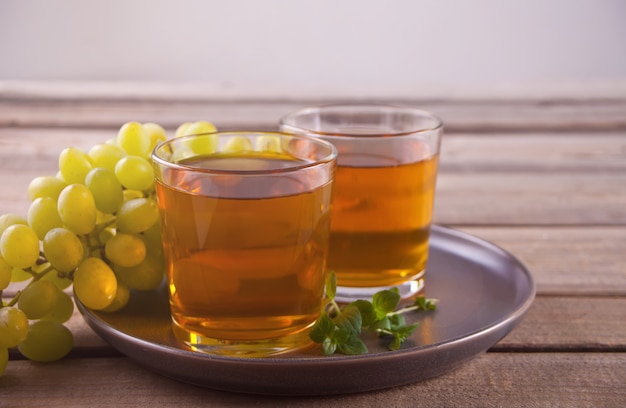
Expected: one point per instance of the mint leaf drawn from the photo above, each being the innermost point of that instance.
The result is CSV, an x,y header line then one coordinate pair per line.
x,y
368,315
401,334
385,302
383,324
322,329
425,304
396,321
353,346
349,318
342,334
328,347
338,328
331,285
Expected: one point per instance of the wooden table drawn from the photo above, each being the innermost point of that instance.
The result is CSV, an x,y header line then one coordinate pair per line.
x,y
541,174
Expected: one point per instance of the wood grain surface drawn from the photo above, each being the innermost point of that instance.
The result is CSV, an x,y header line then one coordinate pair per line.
x,y
541,175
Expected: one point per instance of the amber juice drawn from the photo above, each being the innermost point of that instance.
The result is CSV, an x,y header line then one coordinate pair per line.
x,y
243,268
380,223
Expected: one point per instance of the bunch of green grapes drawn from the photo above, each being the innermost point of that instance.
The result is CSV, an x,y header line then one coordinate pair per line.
x,y
94,225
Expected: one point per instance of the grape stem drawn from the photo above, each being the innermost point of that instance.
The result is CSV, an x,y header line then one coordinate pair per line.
x,y
36,277
101,227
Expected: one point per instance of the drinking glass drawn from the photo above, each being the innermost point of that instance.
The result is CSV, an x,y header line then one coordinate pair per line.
x,y
245,220
384,192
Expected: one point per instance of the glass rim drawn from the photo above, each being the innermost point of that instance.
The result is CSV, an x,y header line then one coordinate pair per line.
x,y
330,157
437,122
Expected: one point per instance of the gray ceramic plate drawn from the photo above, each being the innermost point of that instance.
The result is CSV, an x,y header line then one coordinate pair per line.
x,y
483,290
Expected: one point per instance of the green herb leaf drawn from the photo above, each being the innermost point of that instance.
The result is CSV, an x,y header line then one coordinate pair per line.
x,y
328,347
331,285
385,302
368,315
353,346
383,324
400,335
396,321
349,318
338,328
425,304
322,329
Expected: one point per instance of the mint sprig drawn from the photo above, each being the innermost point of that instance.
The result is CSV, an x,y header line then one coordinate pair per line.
x,y
339,329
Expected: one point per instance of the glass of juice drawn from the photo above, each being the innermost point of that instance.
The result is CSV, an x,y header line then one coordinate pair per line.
x,y
383,196
245,218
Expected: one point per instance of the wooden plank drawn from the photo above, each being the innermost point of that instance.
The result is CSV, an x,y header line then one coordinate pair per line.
x,y
566,260
569,323
572,92
490,380
457,116
538,152
531,199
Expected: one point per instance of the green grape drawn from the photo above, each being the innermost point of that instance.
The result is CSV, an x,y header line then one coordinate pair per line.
x,y
6,220
135,173
106,156
181,153
125,250
202,145
132,194
20,275
156,134
13,326
198,127
153,239
182,129
88,250
74,164
62,310
5,274
4,359
267,143
104,218
63,249
122,296
237,144
19,246
105,235
95,283
137,215
46,341
60,279
38,299
106,190
45,186
206,144
77,209
145,276
133,138
43,216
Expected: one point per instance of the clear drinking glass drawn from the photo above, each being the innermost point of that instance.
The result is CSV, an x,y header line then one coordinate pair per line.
x,y
384,192
245,220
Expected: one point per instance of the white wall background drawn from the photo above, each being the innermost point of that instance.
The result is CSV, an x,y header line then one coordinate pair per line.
x,y
314,42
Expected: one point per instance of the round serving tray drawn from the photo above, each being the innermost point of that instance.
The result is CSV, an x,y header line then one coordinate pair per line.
x,y
483,291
